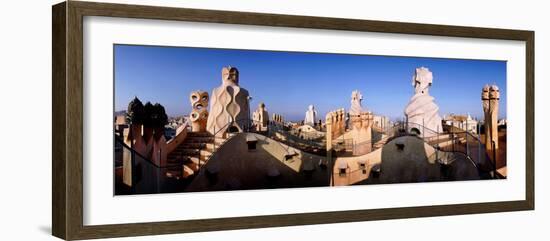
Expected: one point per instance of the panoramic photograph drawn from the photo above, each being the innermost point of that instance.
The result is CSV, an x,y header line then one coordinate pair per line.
x,y
188,119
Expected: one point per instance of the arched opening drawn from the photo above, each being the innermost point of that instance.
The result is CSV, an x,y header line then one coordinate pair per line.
x,y
232,129
415,131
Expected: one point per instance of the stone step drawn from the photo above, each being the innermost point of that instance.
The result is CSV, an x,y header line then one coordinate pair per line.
x,y
179,173
381,142
195,160
172,160
192,152
180,160
189,149
185,152
220,142
199,134
196,145
205,154
176,174
209,139
189,153
192,145
210,146
187,171
175,160
193,165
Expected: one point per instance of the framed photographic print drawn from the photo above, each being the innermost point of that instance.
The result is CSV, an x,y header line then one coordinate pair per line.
x,y
171,120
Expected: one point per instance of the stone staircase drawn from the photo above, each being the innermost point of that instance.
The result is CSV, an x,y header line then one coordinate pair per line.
x,y
381,142
378,129
192,153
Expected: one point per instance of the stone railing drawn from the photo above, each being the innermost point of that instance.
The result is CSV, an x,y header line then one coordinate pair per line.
x,y
181,134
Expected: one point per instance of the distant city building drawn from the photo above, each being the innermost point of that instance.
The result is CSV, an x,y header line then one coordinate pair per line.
x,y
277,119
169,131
382,122
174,122
120,124
307,132
463,122
120,119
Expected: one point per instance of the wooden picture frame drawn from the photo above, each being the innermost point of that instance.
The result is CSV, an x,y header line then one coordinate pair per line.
x,y
67,123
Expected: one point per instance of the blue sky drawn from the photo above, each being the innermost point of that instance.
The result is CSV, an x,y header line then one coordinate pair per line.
x,y
287,82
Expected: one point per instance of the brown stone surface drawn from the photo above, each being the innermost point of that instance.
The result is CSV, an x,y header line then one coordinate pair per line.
x,y
238,168
501,151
